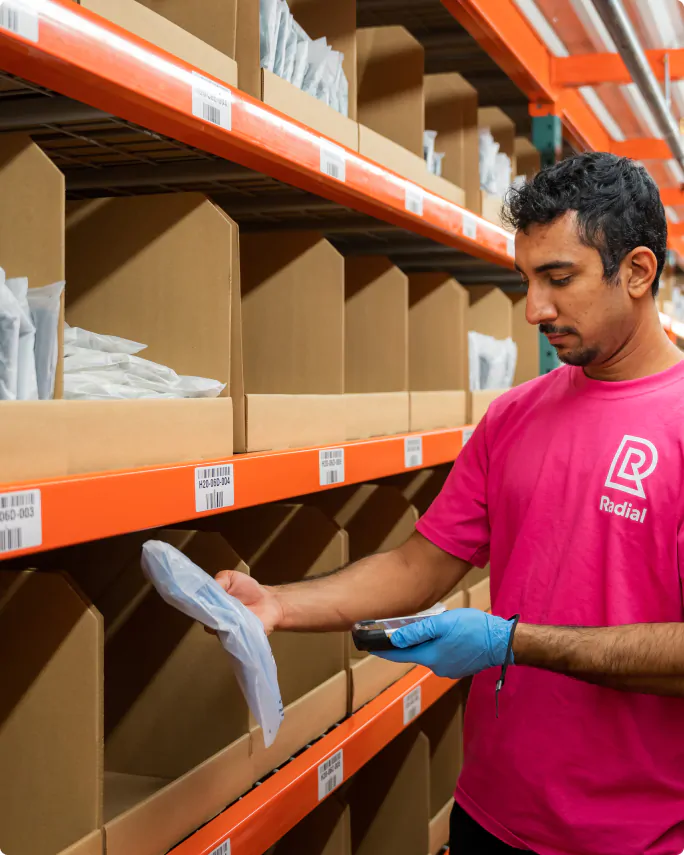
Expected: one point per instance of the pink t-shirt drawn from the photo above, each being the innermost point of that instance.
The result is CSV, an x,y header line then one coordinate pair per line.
x,y
571,489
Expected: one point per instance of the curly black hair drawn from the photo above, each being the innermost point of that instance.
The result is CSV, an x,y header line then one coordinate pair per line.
x,y
617,203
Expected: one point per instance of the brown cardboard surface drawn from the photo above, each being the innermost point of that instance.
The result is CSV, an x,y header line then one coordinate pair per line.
x,y
390,85
478,403
291,101
526,336
179,28
420,487
50,713
389,799
376,325
370,676
451,110
378,414
325,831
442,187
490,207
48,439
293,421
439,828
172,696
237,374
438,340
527,157
442,723
479,596
490,312
292,314
432,410
170,814
455,600
93,844
154,284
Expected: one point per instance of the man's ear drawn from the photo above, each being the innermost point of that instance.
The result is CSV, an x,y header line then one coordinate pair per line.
x,y
639,270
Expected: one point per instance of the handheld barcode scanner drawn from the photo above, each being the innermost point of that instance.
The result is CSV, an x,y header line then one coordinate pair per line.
x,y
377,634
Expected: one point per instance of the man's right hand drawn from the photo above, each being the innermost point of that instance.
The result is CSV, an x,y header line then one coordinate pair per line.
x,y
259,599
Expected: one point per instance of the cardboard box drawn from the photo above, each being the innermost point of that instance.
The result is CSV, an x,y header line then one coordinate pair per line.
x,y
376,414
389,799
420,487
491,208
390,85
432,410
475,585
285,543
185,30
50,714
93,844
479,401
325,831
528,159
526,336
490,312
451,110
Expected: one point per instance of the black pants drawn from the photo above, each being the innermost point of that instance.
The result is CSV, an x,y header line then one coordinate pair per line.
x,y
466,837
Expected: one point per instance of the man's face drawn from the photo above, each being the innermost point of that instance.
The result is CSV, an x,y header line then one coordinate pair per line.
x,y
584,317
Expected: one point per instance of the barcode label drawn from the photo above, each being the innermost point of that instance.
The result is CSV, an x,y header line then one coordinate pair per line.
x,y
333,161
469,226
330,775
510,246
467,433
414,199
214,487
21,524
413,451
413,701
331,466
19,19
223,849
211,101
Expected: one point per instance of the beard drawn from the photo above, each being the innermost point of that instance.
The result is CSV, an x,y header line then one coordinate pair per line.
x,y
580,357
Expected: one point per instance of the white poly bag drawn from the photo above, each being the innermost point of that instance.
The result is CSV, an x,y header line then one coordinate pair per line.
x,y
284,30
107,385
195,593
10,322
301,59
488,150
45,304
429,138
182,387
491,362
290,52
27,381
268,32
504,173
98,341
437,159
318,55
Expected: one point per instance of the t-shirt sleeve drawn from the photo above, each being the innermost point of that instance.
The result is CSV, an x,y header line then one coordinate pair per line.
x,y
458,519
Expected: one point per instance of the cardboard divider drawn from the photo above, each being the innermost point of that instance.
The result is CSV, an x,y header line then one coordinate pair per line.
x,y
389,799
178,28
50,713
438,351
526,336
442,723
284,543
527,157
451,110
325,831
93,844
479,401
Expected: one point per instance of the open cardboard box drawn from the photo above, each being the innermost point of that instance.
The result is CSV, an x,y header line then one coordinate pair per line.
x,y
285,543
438,351
93,844
169,31
324,831
502,128
491,313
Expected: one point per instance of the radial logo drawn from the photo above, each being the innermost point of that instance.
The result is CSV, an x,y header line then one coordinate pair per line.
x,y
634,461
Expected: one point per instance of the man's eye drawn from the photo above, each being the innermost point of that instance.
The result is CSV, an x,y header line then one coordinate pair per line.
x,y
564,281
525,283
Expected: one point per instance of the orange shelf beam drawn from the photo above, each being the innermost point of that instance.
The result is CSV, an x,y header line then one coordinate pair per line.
x,y
80,508
672,195
265,814
643,149
86,57
592,69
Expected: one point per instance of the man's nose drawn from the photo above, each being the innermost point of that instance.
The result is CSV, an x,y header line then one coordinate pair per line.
x,y
539,308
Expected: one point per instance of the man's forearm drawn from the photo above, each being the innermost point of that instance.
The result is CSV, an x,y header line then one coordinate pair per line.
x,y
645,658
389,584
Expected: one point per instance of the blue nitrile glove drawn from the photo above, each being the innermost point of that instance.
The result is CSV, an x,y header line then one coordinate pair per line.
x,y
454,644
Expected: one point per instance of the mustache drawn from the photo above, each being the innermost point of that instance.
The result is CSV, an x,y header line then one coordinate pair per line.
x,y
552,329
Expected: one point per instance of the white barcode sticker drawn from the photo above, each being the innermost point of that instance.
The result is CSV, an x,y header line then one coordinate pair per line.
x,y
333,160
211,101
330,775
19,18
223,849
414,199
469,226
412,704
331,466
510,246
214,487
21,524
467,433
413,451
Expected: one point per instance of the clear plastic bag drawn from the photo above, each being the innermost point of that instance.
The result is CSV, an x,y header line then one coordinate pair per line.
x,y
27,381
301,59
491,362
188,588
108,385
45,304
77,337
318,55
10,322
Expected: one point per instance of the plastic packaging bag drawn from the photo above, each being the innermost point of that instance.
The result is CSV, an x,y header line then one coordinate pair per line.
x,y
437,160
504,173
27,382
290,52
491,362
268,32
284,30
44,304
301,58
98,341
318,55
10,322
187,587
489,149
106,386
429,138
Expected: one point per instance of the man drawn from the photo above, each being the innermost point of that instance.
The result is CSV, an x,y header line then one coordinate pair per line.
x,y
570,488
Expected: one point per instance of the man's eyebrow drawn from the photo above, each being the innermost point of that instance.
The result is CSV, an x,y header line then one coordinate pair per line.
x,y
550,265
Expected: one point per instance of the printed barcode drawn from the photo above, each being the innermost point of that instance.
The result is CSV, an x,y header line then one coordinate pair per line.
x,y
19,19
413,451
414,200
214,487
214,501
414,460
330,785
217,472
334,454
10,538
412,705
331,466
211,114
9,19
331,477
223,849
330,775
17,500
332,169
333,160
469,227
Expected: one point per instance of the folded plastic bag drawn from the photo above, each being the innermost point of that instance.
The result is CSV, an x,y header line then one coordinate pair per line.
x,y
491,362
488,151
75,336
269,16
45,304
301,57
27,381
10,322
284,30
187,587
318,54
290,52
105,386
